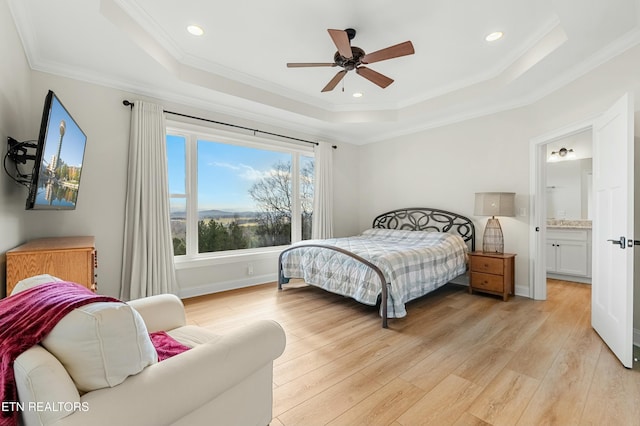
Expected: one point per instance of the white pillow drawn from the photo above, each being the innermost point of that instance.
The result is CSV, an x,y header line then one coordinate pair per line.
x,y
101,344
33,281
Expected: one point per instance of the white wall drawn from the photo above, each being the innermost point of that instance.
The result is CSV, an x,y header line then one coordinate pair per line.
x,y
100,113
15,110
440,167
444,167
99,211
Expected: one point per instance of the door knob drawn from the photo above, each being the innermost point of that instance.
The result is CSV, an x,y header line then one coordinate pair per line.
x,y
622,242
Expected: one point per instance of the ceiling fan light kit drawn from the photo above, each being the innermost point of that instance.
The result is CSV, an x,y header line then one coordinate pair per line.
x,y
351,58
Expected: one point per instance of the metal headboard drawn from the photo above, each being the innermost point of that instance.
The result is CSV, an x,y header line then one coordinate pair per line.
x,y
428,219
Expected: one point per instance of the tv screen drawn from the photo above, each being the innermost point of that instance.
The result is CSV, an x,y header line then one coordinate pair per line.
x,y
59,155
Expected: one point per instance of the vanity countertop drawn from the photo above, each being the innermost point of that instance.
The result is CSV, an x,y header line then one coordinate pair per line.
x,y
568,224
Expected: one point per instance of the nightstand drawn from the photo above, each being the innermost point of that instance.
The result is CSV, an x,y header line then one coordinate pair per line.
x,y
492,273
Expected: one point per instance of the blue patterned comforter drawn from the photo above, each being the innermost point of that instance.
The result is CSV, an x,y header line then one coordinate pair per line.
x,y
414,263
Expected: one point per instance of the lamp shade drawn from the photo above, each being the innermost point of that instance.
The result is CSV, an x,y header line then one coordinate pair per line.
x,y
495,204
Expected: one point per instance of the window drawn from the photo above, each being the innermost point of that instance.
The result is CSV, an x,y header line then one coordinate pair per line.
x,y
231,194
176,162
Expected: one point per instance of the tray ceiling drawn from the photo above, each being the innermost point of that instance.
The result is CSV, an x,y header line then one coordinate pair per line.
x,y
239,65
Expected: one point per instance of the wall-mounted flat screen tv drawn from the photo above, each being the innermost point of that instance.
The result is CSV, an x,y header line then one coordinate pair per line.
x,y
59,157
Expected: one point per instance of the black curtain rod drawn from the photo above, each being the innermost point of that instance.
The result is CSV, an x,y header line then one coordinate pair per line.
x,y
130,104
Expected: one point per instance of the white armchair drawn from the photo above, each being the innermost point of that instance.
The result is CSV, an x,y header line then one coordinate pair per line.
x,y
222,380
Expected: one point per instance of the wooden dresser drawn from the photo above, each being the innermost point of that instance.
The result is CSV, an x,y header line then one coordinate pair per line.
x,y
492,273
68,258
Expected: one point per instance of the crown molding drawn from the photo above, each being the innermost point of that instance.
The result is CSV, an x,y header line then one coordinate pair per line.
x,y
490,74
604,55
25,30
331,124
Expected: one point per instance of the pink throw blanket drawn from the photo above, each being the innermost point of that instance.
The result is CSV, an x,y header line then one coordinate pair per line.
x,y
27,317
166,346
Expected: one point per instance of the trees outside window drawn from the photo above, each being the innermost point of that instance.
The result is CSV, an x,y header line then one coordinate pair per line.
x,y
241,197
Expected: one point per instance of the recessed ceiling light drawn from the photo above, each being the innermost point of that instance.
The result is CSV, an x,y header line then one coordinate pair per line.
x,y
494,36
357,95
195,30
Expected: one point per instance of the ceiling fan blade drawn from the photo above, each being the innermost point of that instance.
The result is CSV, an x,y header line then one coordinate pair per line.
x,y
341,40
374,76
334,81
402,49
310,64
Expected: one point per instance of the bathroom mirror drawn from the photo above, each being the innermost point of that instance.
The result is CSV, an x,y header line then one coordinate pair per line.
x,y
569,178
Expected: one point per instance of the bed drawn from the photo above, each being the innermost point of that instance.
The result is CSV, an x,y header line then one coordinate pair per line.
x,y
406,254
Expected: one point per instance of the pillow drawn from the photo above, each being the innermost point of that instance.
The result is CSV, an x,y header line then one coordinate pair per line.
x,y
33,281
101,344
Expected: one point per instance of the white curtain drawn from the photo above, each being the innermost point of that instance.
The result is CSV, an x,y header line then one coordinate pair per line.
x,y
147,262
322,222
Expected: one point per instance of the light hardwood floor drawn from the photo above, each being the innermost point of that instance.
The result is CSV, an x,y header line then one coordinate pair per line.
x,y
456,358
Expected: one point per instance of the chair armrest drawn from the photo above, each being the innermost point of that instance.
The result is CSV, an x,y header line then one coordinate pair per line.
x,y
42,379
162,312
169,390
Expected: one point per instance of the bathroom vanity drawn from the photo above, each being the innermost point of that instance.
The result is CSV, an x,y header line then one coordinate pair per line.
x,y
569,250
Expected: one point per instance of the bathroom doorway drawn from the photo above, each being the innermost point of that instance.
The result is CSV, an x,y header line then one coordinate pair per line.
x,y
614,222
569,204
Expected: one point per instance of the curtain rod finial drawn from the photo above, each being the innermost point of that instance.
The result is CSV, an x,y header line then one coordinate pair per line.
x,y
127,103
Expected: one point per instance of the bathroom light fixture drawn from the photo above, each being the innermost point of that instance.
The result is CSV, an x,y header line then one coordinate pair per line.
x,y
496,35
357,95
195,30
562,153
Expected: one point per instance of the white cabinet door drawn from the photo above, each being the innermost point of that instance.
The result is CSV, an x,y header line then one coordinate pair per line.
x,y
552,265
568,252
571,257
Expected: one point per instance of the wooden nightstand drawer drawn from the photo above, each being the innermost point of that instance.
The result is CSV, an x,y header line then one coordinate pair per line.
x,y
492,273
481,281
488,265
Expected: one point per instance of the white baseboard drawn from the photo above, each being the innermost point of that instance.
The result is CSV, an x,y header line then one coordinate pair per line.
x,y
227,285
583,280
523,290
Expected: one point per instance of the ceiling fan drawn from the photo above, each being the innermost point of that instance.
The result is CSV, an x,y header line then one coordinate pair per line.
x,y
353,58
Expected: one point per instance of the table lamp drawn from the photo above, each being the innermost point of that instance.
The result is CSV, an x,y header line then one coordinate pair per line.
x,y
494,204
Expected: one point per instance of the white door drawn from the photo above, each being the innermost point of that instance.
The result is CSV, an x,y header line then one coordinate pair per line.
x,y
612,281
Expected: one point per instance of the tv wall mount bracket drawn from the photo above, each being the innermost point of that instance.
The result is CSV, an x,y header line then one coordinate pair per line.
x,y
17,151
